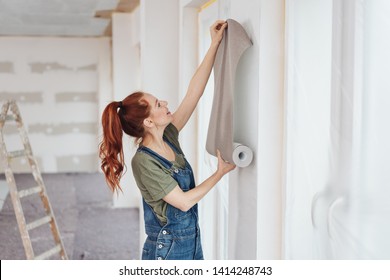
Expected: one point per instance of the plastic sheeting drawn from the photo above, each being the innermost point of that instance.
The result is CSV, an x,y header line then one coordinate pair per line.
x,y
337,155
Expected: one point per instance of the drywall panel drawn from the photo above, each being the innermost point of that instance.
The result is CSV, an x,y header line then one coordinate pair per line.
x,y
126,79
56,83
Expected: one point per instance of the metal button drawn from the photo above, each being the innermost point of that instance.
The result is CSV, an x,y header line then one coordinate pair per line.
x,y
159,258
160,246
176,170
164,232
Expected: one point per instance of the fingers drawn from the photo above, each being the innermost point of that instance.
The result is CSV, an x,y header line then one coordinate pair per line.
x,y
217,30
223,165
218,22
218,25
220,157
222,27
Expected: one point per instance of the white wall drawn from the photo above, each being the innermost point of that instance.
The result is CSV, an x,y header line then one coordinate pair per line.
x,y
57,83
255,191
271,129
243,182
254,206
374,190
188,62
126,79
308,103
159,49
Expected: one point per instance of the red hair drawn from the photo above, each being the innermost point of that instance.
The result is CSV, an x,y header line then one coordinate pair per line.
x,y
118,117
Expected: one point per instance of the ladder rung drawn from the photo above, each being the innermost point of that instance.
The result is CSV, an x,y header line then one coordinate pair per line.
x,y
30,191
10,112
15,154
49,253
39,222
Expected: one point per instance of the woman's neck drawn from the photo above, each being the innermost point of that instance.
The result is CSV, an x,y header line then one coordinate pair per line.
x,y
154,140
153,136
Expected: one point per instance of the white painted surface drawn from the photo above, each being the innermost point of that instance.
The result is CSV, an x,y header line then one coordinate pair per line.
x,y
126,79
254,201
80,66
159,49
262,224
308,91
213,209
57,17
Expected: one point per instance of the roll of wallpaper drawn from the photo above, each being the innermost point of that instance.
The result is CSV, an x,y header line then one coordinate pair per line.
x,y
220,132
242,155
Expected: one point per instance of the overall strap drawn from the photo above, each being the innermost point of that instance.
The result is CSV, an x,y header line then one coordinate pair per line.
x,y
163,161
172,146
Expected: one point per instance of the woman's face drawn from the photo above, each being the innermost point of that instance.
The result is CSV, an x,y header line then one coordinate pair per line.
x,y
159,113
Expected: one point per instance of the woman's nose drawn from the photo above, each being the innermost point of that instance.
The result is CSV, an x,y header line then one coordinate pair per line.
x,y
165,103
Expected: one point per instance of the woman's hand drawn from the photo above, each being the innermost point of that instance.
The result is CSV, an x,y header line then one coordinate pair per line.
x,y
185,200
223,166
216,31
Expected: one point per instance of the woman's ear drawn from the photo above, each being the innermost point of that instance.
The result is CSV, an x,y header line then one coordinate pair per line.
x,y
148,122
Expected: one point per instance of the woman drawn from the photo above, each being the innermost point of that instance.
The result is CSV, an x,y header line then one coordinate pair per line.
x,y
161,171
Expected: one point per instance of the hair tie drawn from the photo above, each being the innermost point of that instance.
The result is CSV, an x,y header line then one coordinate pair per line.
x,y
120,104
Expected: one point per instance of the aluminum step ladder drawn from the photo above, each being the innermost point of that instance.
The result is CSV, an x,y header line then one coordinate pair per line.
x,y
10,112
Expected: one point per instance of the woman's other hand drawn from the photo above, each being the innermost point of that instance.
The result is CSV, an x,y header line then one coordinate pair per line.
x,y
224,166
216,31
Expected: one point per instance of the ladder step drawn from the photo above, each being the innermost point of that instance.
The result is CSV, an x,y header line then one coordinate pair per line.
x,y
15,154
39,222
49,253
30,191
10,112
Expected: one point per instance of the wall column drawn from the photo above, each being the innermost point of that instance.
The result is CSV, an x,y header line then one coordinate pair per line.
x,y
126,79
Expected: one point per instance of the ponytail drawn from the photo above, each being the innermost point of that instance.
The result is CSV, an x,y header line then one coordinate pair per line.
x,y
111,150
128,116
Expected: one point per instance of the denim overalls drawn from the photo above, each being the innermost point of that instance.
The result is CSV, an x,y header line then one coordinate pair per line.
x,y
179,238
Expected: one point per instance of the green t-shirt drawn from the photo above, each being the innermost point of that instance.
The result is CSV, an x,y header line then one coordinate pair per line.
x,y
153,179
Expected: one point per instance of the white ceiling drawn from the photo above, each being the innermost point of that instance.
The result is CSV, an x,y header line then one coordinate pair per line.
x,y
60,17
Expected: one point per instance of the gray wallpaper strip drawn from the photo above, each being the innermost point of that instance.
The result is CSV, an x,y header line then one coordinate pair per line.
x,y
91,67
55,129
76,96
25,97
6,67
9,129
220,132
79,163
22,165
41,67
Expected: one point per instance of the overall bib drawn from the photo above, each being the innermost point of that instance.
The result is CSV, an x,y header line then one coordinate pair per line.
x,y
179,238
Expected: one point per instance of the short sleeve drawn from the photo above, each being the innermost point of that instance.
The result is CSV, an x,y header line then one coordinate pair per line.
x,y
153,180
172,134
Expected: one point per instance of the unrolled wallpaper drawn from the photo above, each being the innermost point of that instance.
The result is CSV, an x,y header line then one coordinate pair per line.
x,y
220,132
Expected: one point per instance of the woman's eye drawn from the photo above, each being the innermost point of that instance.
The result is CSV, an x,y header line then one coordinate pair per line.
x,y
159,104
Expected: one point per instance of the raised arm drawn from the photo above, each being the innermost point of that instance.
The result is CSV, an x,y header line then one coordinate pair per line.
x,y
200,78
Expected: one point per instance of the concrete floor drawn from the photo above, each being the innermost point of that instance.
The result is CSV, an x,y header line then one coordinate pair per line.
x,y
90,228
